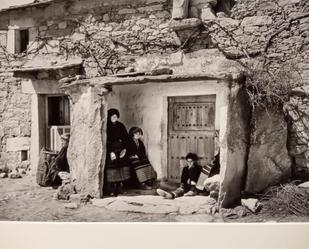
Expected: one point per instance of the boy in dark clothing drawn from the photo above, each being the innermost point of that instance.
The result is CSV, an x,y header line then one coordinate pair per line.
x,y
189,178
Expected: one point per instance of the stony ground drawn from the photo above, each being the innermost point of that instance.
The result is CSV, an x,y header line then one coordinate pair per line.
x,y
23,200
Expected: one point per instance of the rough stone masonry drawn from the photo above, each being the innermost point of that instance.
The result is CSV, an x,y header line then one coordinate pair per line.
x,y
111,35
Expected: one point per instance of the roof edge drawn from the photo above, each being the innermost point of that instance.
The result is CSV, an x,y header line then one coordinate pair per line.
x,y
33,4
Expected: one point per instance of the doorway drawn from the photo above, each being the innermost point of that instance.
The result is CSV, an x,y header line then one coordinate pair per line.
x,y
191,128
57,120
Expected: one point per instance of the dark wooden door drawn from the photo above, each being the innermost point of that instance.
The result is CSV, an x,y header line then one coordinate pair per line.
x,y
191,128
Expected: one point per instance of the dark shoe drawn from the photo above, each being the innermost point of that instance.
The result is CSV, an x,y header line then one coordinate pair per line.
x,y
144,186
164,194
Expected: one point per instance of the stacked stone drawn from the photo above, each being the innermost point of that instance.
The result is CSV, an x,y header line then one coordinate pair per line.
x,y
253,22
15,118
298,143
119,42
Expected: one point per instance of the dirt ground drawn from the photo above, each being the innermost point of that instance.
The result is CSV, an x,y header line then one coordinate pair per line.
x,y
23,200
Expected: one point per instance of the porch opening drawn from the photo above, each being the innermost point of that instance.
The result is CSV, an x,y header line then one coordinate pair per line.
x,y
176,119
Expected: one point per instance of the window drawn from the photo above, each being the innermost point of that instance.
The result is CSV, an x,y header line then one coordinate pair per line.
x,y
24,40
58,110
17,40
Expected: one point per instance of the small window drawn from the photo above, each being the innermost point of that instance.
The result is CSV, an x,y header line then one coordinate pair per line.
x,y
24,155
58,110
24,40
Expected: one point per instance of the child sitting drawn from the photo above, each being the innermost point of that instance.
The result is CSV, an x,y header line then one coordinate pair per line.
x,y
189,177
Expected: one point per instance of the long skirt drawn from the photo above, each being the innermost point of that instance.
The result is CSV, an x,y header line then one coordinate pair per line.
x,y
117,171
144,171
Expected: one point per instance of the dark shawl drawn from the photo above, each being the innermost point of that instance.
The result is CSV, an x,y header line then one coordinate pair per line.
x,y
60,164
139,150
116,133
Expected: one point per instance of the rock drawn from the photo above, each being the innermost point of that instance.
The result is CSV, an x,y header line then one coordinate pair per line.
x,y
288,2
221,15
65,190
129,69
256,21
86,161
214,194
188,23
304,185
240,211
302,91
14,175
24,164
71,205
18,143
3,175
157,204
21,171
64,175
121,205
268,162
212,185
102,202
252,204
75,198
160,71
228,213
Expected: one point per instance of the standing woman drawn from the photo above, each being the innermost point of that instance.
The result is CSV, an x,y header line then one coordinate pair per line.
x,y
137,154
117,167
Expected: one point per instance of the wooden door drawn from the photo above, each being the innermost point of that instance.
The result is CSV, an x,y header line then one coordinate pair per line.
x,y
191,128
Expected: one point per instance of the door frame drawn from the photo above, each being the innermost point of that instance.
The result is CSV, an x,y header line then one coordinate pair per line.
x,y
213,97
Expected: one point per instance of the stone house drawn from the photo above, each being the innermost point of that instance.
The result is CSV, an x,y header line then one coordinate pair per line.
x,y
165,68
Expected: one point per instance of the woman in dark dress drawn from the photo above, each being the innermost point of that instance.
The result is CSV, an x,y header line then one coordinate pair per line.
x,y
117,167
59,168
137,153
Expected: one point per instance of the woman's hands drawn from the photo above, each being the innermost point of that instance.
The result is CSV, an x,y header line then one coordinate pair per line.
x,y
123,153
113,156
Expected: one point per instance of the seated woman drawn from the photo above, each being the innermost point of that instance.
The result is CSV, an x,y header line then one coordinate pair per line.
x,y
189,177
59,168
117,169
137,153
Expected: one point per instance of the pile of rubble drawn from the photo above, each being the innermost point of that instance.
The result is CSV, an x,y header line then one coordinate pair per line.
x,y
22,169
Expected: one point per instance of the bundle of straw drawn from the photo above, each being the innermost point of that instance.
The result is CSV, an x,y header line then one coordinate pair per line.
x,y
286,199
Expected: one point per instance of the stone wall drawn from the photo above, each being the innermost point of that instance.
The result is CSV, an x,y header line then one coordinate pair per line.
x,y
275,30
276,33
297,110
15,120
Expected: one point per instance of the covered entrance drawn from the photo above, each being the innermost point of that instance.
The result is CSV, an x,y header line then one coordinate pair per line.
x,y
191,128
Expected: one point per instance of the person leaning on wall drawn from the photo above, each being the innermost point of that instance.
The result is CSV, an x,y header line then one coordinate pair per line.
x,y
117,166
142,171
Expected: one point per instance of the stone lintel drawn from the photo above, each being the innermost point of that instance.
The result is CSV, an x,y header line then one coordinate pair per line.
x,y
46,68
182,24
110,80
18,144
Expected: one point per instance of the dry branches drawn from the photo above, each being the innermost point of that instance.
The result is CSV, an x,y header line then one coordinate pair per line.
x,y
286,199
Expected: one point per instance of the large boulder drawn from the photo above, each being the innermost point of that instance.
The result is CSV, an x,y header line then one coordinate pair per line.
x,y
268,161
86,152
